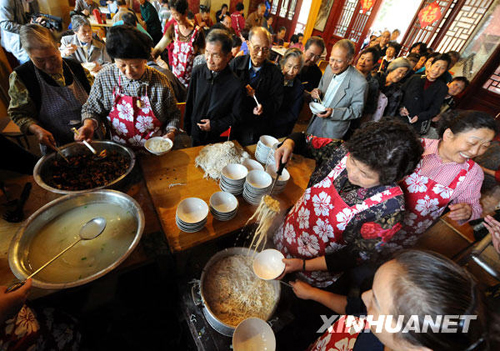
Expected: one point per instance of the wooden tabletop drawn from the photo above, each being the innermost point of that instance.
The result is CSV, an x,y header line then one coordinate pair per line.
x,y
163,173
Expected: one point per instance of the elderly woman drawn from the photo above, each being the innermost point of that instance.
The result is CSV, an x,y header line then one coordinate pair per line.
x,y
447,177
424,95
412,288
47,92
189,39
293,94
352,206
134,101
82,47
390,85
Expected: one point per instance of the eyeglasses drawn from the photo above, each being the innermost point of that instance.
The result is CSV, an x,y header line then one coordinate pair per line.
x,y
264,50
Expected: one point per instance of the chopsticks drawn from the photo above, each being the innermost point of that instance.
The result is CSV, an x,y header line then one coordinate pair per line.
x,y
84,141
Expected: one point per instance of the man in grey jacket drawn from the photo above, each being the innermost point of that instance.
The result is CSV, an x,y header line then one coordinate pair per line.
x,y
342,90
13,14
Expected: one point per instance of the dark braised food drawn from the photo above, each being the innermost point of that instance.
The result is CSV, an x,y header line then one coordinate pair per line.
x,y
86,171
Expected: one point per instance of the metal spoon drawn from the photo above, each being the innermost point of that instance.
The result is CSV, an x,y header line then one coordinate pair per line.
x,y
90,230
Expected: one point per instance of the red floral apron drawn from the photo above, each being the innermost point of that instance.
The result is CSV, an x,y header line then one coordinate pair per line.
x,y
132,120
425,201
342,336
314,226
183,56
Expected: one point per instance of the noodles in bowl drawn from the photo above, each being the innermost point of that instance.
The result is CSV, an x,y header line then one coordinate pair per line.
x,y
234,293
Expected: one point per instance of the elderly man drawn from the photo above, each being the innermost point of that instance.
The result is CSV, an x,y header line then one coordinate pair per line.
x,y
47,92
256,19
384,43
215,94
12,17
343,92
262,78
82,47
310,74
84,7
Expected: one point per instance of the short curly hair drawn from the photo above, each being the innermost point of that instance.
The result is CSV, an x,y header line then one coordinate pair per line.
x,y
127,42
389,147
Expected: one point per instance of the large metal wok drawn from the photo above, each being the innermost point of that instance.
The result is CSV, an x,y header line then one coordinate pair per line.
x,y
19,249
212,319
42,169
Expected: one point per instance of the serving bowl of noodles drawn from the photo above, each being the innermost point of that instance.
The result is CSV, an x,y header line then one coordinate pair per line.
x,y
231,292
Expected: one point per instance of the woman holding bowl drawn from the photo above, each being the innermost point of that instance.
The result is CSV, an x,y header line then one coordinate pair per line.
x,y
352,206
134,102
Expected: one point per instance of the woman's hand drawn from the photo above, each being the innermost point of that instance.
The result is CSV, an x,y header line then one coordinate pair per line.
x,y
171,134
291,265
86,132
303,290
460,212
11,302
284,152
493,227
43,136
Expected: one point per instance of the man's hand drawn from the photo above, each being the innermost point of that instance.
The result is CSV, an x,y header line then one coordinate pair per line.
x,y
204,125
69,50
413,120
328,113
403,112
258,110
283,153
315,93
460,212
43,136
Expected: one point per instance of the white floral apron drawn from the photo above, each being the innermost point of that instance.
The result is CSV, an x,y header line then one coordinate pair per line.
x,y
342,336
425,201
183,56
132,120
314,226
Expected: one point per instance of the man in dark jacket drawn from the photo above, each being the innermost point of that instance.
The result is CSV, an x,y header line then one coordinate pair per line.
x,y
310,75
150,16
263,79
215,94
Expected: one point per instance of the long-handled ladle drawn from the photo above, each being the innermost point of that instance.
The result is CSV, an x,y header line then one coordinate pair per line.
x,y
90,230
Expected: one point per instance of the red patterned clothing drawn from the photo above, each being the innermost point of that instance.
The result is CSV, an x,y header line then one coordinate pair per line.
x,y
357,230
468,191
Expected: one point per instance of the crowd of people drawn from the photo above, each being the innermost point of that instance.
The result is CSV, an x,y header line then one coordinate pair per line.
x,y
392,152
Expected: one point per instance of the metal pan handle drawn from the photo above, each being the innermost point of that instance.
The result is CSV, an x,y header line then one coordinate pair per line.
x,y
196,292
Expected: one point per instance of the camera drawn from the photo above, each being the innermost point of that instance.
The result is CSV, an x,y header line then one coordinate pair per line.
x,y
48,21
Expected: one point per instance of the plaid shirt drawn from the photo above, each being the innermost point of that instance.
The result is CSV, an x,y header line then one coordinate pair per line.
x,y
153,84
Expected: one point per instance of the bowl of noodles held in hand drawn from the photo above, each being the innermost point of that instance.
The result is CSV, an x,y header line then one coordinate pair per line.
x,y
85,171
231,292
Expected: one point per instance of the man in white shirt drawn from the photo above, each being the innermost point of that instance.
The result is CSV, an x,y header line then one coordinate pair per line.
x,y
342,90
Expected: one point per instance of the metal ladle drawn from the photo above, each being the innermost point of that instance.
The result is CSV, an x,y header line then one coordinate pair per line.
x,y
90,230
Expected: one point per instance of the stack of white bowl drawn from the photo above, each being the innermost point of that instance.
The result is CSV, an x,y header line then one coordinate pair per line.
x,y
256,186
264,146
232,178
270,156
252,165
223,206
191,214
282,180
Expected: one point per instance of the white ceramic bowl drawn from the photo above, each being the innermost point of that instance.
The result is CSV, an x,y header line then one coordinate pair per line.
x,y
234,171
252,165
254,334
223,202
284,177
268,140
158,145
259,179
268,264
317,108
192,210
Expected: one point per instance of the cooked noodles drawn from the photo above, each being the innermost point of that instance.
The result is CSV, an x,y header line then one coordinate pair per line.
x,y
264,215
214,157
233,292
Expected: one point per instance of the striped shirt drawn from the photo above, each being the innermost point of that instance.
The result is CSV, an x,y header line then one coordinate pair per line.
x,y
468,191
153,83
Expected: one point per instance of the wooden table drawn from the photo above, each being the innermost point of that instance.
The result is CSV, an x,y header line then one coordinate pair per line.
x,y
178,167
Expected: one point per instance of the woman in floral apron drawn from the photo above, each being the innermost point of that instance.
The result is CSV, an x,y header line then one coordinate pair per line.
x,y
188,39
446,176
353,206
134,101
413,276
